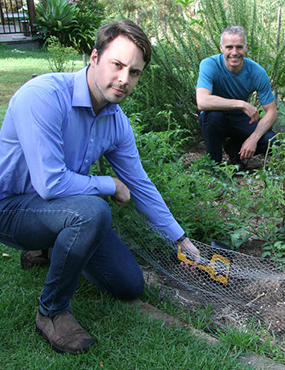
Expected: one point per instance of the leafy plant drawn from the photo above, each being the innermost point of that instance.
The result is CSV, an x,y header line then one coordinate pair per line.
x,y
60,57
74,23
55,18
276,252
160,147
202,318
89,16
190,194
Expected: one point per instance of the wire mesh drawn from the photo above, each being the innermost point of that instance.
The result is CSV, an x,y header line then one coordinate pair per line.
x,y
240,288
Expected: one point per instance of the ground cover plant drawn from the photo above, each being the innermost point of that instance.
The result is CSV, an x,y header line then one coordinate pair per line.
x,y
210,201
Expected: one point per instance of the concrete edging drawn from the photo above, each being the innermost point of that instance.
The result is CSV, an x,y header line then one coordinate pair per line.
x,y
251,359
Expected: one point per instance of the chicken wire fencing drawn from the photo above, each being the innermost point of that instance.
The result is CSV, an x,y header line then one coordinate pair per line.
x,y
240,288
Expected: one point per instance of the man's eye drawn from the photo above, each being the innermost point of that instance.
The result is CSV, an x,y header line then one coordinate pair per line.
x,y
136,73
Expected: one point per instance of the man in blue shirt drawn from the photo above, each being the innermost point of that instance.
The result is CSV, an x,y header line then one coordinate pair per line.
x,y
55,127
224,86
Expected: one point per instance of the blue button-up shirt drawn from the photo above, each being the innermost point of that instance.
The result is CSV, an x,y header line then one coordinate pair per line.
x,y
51,136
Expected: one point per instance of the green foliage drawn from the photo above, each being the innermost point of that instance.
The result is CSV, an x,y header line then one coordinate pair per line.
x,y
89,16
246,337
61,59
273,202
188,32
202,318
159,147
55,18
266,44
208,200
280,123
184,2
275,251
73,23
191,195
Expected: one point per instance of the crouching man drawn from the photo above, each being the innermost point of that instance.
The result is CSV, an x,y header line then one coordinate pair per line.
x,y
56,126
224,86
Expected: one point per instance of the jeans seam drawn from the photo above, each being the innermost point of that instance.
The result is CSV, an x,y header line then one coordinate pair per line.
x,y
70,211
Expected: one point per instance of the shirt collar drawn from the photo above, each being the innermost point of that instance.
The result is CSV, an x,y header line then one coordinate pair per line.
x,y
81,96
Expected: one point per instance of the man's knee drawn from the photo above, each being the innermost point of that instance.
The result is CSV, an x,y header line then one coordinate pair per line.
x,y
126,285
212,122
266,141
132,289
92,211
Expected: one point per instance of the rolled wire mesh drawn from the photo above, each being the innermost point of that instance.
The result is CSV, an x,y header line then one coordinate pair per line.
x,y
239,287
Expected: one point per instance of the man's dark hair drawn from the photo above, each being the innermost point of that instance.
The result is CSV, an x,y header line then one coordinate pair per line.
x,y
126,28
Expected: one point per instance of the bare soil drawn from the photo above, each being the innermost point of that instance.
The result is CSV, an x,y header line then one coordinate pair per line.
x,y
199,149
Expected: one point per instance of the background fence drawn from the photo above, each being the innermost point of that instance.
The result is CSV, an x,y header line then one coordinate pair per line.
x,y
17,16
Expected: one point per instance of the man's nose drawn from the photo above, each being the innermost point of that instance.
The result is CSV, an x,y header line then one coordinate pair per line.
x,y
124,76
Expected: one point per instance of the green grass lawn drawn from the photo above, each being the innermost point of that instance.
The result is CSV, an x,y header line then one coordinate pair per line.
x,y
17,67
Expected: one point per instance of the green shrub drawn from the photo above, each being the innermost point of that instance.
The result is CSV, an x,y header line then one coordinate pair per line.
x,y
61,58
73,23
89,16
55,18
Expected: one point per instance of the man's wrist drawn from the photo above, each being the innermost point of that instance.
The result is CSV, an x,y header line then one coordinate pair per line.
x,y
180,240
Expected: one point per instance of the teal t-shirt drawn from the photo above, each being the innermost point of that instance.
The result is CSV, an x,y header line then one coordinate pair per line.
x,y
214,76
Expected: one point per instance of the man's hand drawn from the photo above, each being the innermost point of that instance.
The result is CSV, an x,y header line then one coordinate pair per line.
x,y
251,111
248,148
122,194
187,246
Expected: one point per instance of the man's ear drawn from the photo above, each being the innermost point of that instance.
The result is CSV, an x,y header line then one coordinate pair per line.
x,y
221,48
94,57
246,48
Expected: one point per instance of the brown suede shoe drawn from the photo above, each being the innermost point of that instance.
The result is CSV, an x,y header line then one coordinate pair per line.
x,y
34,258
64,333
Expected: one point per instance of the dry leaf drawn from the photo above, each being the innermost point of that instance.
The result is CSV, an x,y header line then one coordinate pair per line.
x,y
6,255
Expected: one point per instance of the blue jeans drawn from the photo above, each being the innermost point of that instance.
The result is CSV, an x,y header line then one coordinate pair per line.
x,y
216,126
79,230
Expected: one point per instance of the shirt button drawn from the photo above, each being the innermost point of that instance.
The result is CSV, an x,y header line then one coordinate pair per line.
x,y
91,140
86,160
